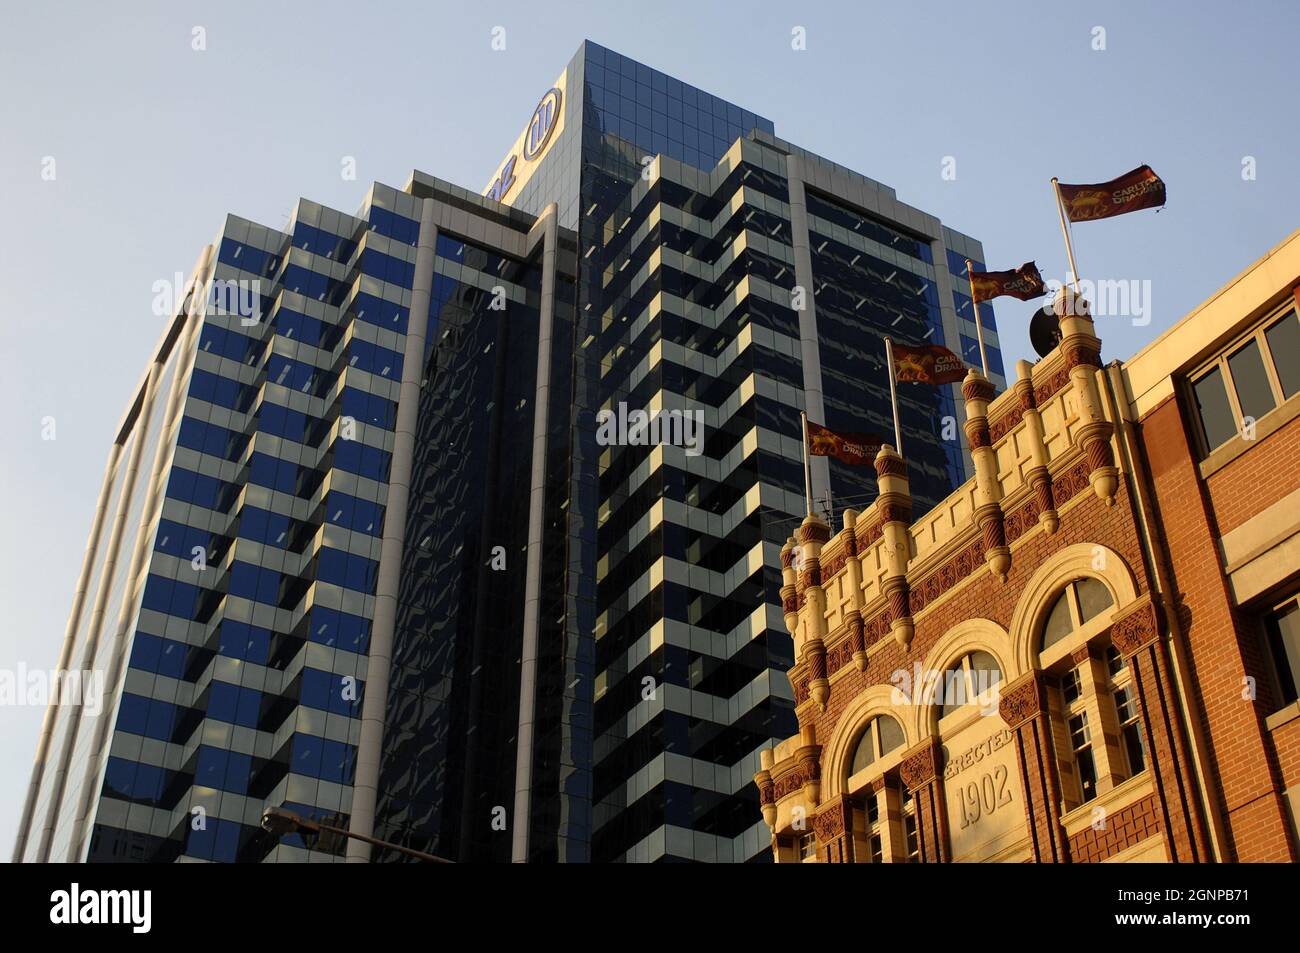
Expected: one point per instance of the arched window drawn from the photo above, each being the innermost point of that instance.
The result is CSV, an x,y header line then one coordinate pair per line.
x,y
882,735
1080,602
1096,726
967,680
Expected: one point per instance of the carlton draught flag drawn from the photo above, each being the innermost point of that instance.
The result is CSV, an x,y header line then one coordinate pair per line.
x,y
1024,283
930,364
1133,191
856,449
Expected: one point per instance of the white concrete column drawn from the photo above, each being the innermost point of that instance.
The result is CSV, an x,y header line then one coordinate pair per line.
x,y
70,634
536,507
194,310
810,353
365,784
69,642
139,429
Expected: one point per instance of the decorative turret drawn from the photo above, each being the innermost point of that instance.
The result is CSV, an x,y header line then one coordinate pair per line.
x,y
766,789
1038,476
813,534
1082,350
894,503
790,555
977,391
853,617
809,758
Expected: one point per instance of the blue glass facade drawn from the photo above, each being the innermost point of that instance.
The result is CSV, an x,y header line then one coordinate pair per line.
x,y
245,668
662,650
680,265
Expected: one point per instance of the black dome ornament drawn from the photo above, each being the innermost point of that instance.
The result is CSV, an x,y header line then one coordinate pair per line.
x,y
1044,331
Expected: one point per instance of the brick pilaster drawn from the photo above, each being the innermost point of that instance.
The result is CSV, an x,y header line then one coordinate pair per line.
x,y
1023,706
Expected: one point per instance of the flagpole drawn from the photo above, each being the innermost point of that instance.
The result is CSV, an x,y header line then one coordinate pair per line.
x,y
807,473
1065,230
979,325
893,396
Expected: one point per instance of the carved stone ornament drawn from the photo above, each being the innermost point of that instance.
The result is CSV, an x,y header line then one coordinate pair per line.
x,y
832,821
1022,701
919,768
1137,628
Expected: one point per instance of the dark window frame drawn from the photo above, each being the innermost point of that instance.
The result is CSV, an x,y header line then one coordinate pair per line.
x,y
1220,362
1284,682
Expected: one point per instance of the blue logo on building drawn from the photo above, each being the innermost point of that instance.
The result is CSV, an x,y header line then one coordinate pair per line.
x,y
542,124
546,117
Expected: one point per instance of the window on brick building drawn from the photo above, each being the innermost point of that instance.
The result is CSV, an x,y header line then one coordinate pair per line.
x,y
1130,728
967,680
882,735
807,846
1095,719
911,836
1248,380
1128,714
1282,627
1081,602
1080,735
875,829
876,793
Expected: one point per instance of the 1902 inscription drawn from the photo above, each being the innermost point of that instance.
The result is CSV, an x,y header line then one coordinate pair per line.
x,y
983,796
955,764
982,788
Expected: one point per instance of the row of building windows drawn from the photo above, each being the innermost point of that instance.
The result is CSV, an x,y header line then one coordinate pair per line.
x,y
325,691
880,232
394,226
322,243
1248,381
249,258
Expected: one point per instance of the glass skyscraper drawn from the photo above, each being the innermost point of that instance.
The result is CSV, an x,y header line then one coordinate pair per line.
x,y
360,553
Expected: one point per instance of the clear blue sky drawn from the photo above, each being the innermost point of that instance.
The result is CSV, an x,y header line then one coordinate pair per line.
x,y
154,142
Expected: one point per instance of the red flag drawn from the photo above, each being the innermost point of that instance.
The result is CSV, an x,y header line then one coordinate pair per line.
x,y
928,364
1132,191
1024,283
856,449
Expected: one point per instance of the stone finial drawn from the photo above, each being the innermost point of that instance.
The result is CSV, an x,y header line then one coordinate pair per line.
x,y
808,756
1038,477
977,392
894,503
791,556
813,535
1082,350
766,788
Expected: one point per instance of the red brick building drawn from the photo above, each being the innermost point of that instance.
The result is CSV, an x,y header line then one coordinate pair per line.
x,y
1089,652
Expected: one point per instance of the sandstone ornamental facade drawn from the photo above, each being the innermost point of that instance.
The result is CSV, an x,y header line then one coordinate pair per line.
x,y
1090,651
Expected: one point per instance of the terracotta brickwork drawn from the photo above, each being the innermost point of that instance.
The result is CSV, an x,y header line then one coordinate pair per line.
x,y
1133,824
1147,726
1224,641
1256,480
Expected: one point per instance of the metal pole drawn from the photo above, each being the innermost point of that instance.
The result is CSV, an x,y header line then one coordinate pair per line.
x,y
979,326
893,395
807,472
430,858
1065,230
